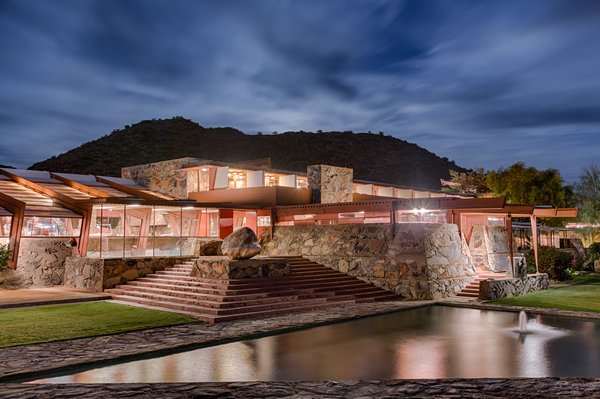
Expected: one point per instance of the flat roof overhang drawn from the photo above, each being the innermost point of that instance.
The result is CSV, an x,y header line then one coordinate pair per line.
x,y
176,203
393,204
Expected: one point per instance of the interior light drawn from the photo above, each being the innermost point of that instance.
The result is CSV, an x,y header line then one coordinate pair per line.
x,y
204,169
188,207
134,205
422,210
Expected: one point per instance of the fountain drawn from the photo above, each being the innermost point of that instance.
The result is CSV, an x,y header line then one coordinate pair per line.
x,y
522,322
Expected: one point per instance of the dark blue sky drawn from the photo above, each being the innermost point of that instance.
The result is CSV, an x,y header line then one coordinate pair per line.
x,y
486,83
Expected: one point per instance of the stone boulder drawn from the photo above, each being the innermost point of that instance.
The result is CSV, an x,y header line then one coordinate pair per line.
x,y
241,244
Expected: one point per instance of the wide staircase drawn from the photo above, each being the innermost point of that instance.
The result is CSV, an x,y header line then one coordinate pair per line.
x,y
308,286
472,290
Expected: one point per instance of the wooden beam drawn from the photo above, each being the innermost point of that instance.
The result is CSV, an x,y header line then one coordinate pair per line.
x,y
94,192
136,192
534,240
17,208
509,233
85,211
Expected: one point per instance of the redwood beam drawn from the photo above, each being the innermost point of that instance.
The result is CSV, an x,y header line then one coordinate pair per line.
x,y
94,192
66,202
534,240
17,208
136,192
509,232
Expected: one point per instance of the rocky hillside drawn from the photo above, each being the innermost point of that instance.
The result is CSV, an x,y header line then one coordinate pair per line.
x,y
375,157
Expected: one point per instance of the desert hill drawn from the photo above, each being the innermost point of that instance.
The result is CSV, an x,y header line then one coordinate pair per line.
x,y
375,157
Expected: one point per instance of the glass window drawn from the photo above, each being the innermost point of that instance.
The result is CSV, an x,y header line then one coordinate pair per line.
x,y
139,229
167,228
35,226
421,216
5,225
111,225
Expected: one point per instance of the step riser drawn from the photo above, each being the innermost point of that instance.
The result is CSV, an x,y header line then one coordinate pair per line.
x,y
309,285
224,312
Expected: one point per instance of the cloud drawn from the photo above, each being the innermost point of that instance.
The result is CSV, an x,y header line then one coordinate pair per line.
x,y
483,83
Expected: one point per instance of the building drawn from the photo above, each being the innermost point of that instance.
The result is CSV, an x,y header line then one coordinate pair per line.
x,y
173,208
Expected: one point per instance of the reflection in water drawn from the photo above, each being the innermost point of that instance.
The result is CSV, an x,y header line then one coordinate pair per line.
x,y
434,342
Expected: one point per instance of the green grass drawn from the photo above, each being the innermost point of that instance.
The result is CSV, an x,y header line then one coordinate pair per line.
x,y
57,322
581,294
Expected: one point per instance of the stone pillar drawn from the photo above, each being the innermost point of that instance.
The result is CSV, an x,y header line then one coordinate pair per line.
x,y
330,184
165,176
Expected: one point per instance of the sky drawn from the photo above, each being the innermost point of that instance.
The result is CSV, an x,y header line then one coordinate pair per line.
x,y
485,83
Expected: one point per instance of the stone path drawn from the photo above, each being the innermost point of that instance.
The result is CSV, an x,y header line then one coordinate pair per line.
x,y
46,296
20,363
452,388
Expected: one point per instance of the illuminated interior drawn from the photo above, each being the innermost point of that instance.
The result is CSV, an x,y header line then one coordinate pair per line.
x,y
5,225
149,230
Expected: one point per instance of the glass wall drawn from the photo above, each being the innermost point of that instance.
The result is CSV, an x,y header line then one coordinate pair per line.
x,y
35,226
421,216
5,225
146,230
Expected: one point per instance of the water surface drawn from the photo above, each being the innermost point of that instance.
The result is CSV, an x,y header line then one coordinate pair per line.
x,y
432,342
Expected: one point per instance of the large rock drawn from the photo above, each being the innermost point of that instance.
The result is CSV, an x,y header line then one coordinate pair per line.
x,y
241,244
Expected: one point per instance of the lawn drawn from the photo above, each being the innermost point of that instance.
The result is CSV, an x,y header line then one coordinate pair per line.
x,y
581,294
57,322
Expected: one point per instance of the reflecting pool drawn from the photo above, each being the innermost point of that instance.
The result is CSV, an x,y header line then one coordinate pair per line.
x,y
432,342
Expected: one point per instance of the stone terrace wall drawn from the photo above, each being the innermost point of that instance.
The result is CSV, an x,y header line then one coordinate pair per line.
x,y
98,274
509,287
224,268
419,261
161,176
42,260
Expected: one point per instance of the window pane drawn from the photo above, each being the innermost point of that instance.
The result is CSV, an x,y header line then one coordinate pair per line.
x,y
34,226
5,224
111,225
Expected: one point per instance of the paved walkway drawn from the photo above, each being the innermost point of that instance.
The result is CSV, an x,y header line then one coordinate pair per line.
x,y
454,388
46,296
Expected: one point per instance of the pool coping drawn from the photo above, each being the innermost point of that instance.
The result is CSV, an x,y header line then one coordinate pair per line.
x,y
29,362
527,309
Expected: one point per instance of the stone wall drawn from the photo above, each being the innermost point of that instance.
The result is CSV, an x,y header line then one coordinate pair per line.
x,y
41,261
84,273
98,274
330,184
223,268
489,247
509,287
419,261
162,176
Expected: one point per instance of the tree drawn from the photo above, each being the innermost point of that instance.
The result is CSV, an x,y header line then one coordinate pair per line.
x,y
587,194
472,182
523,185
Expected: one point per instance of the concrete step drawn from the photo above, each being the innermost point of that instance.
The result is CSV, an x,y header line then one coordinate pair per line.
x,y
200,308
309,285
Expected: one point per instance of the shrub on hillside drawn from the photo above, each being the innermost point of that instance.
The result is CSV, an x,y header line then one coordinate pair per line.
x,y
555,262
